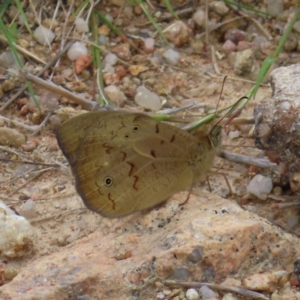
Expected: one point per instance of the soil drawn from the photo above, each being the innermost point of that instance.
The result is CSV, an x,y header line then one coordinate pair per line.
x,y
60,216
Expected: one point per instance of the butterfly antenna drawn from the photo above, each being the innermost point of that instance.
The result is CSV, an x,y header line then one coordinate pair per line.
x,y
215,132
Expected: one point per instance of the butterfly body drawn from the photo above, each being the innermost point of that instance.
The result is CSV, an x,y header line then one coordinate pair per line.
x,y
126,162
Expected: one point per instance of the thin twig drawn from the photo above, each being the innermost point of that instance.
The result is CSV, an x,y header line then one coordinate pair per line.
x,y
30,179
86,104
248,160
255,22
24,87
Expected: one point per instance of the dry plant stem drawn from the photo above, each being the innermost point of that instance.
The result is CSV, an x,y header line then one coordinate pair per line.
x,y
85,104
33,128
219,25
248,160
30,179
287,204
218,287
206,22
57,215
39,128
12,151
255,22
25,52
284,198
237,121
214,61
51,63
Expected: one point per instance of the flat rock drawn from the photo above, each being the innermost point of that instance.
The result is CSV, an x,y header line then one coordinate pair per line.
x,y
208,239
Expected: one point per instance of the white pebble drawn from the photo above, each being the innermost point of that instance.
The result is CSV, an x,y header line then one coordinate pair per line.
x,y
28,209
147,99
44,35
21,20
275,7
17,235
199,17
128,12
160,296
192,294
171,57
113,93
109,18
111,59
76,50
233,134
108,69
103,40
207,293
260,186
149,45
81,25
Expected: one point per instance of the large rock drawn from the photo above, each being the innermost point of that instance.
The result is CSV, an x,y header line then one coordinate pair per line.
x,y
278,123
208,239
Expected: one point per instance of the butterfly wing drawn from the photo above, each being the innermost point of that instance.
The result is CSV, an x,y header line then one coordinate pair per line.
x,y
124,162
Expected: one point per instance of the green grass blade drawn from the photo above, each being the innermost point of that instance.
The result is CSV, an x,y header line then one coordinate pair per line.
x,y
239,5
96,53
151,19
22,13
14,51
3,7
109,24
170,9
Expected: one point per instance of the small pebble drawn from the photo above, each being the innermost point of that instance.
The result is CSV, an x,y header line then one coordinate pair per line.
x,y
76,50
229,46
177,33
235,35
266,282
11,137
199,17
160,296
28,209
274,7
122,51
149,45
207,293
219,7
81,25
260,186
192,294
44,35
103,40
147,99
111,59
229,296
128,12
171,57
114,94
244,62
233,134
167,292
259,41
296,26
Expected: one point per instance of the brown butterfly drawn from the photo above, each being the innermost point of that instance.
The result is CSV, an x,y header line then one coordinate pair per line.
x,y
125,162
